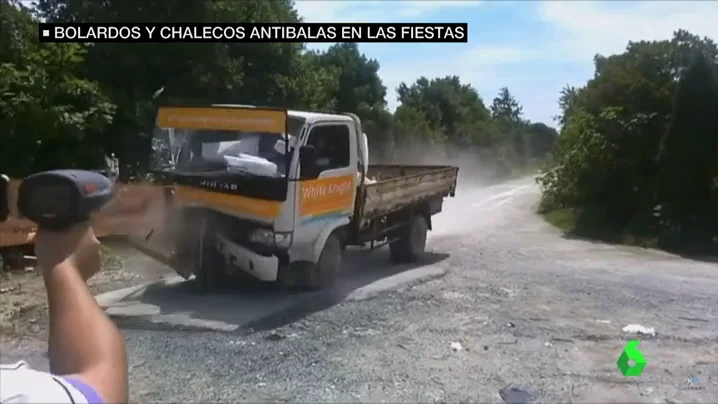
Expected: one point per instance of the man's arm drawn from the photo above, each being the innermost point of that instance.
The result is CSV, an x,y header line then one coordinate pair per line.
x,y
84,343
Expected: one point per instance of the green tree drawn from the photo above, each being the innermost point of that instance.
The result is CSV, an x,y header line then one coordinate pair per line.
x,y
412,132
273,74
318,81
359,85
447,105
48,111
576,176
358,89
541,139
604,163
507,113
567,101
687,156
505,107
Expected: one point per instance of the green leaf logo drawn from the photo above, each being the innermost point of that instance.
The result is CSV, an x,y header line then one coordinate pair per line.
x,y
631,353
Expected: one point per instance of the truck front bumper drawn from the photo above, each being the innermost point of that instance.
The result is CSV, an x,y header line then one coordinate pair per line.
x,y
259,266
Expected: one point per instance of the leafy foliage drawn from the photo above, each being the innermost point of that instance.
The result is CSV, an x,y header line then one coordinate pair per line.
x,y
47,109
639,144
69,105
687,157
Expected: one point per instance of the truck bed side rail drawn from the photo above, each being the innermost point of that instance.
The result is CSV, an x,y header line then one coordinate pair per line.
x,y
398,186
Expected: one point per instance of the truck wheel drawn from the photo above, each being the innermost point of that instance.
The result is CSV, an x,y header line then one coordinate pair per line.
x,y
412,242
210,266
311,276
210,274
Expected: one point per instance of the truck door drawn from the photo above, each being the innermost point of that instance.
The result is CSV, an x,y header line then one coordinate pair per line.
x,y
327,187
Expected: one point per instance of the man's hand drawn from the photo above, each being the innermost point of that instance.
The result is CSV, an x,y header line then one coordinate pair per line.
x,y
76,247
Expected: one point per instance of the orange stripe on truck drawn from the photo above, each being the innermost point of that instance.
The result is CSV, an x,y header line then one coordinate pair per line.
x,y
326,195
233,203
239,119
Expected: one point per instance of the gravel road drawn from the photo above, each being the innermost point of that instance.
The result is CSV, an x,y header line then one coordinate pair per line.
x,y
518,305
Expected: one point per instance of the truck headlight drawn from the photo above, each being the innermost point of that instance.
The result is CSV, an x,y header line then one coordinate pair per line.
x,y
270,238
283,240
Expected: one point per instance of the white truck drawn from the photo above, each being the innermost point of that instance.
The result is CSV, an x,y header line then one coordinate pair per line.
x,y
280,194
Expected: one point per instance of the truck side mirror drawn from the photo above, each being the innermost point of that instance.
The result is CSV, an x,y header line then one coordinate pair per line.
x,y
307,161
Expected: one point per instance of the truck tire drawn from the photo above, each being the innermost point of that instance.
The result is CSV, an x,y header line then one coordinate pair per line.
x,y
210,272
309,276
412,242
210,264
201,279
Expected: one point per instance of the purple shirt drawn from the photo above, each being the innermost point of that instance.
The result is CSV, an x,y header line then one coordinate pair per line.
x,y
86,390
22,384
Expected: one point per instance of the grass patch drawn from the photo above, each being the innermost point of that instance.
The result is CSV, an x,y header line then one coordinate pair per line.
x,y
593,223
564,219
640,241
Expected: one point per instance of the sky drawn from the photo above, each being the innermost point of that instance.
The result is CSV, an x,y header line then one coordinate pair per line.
x,y
533,48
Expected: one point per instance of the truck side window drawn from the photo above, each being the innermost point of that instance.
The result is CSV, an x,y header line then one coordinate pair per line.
x,y
331,144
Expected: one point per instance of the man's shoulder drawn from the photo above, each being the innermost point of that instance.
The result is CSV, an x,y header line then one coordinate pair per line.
x,y
22,384
13,366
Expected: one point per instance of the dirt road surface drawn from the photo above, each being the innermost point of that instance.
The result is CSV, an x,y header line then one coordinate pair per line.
x,y
502,300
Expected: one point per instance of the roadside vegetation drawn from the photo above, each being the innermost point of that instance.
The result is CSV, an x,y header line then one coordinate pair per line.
x,y
637,156
69,105
636,160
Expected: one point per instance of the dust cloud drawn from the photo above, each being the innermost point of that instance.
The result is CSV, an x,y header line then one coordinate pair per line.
x,y
482,184
478,168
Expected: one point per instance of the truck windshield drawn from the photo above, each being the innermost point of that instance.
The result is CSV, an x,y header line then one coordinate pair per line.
x,y
215,151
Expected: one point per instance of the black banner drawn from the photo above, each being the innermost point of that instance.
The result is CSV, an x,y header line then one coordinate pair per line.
x,y
259,33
